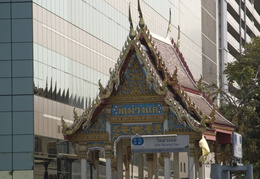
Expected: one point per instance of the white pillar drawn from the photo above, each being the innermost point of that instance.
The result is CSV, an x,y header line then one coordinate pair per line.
x,y
108,168
176,168
191,168
167,169
202,171
83,168
140,166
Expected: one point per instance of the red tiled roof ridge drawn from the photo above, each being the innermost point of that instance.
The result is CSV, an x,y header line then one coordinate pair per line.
x,y
183,61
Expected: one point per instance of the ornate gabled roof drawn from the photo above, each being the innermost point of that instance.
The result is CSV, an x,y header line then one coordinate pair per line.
x,y
167,75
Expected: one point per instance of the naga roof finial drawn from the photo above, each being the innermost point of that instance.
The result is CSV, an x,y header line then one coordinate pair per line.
x,y
170,23
141,21
132,33
200,84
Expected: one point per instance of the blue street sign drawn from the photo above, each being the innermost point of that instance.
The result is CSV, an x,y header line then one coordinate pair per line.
x,y
137,141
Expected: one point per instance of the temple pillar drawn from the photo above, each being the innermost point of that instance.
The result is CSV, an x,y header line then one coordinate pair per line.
x,y
127,161
108,168
202,171
149,159
83,168
140,166
95,159
166,158
81,150
191,167
176,164
155,166
119,156
191,162
108,156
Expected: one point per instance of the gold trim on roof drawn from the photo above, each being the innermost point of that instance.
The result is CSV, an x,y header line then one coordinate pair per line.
x,y
135,44
132,33
141,21
192,108
182,115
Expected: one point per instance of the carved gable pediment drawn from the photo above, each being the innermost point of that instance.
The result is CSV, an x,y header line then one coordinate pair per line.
x,y
134,82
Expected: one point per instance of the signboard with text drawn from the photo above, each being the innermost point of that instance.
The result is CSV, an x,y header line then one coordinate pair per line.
x,y
159,143
237,145
136,109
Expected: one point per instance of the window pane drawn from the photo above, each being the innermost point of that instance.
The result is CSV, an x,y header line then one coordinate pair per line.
x,y
5,68
22,51
22,86
5,51
23,103
4,10
22,30
6,123
23,143
5,35
6,161
22,161
22,68
5,86
23,122
20,0
21,10
5,103
6,143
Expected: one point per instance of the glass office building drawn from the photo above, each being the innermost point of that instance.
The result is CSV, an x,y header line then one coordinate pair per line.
x,y
52,54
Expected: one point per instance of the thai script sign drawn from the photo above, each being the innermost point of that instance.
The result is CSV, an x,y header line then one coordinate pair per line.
x,y
136,109
159,143
237,145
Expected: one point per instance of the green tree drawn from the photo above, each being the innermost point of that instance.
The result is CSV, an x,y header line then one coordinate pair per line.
x,y
241,104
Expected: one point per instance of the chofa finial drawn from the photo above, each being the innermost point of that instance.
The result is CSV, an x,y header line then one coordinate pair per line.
x,y
179,37
141,21
132,33
170,23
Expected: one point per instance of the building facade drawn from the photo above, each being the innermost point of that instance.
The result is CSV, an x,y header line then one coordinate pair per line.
x,y
53,52
238,22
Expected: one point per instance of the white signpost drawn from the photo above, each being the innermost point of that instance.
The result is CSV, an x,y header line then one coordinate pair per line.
x,y
159,143
237,145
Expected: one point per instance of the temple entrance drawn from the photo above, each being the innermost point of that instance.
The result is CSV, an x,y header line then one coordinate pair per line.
x,y
129,161
138,165
150,100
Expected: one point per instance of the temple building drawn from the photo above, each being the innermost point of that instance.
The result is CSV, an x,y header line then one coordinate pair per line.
x,y
151,96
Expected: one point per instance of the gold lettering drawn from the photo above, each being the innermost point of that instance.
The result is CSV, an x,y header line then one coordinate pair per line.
x,y
118,110
138,110
123,111
143,110
131,111
155,110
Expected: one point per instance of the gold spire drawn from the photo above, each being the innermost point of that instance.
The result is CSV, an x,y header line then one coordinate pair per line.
x,y
170,23
141,21
132,33
179,37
